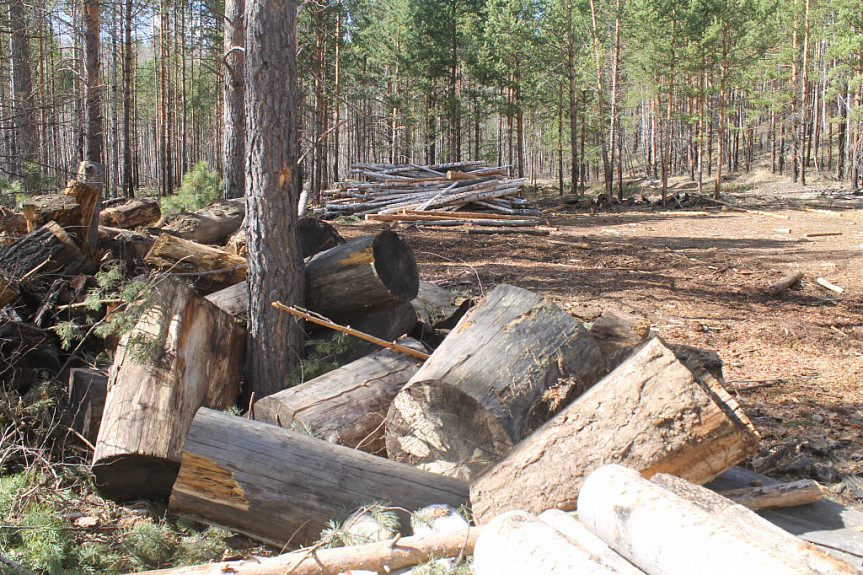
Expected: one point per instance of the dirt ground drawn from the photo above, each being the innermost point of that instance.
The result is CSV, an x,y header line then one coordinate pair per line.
x,y
701,277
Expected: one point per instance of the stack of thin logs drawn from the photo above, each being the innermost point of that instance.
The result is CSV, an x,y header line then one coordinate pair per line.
x,y
433,195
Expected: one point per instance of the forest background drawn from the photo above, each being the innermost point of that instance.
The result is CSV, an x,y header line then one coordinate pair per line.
x,y
585,92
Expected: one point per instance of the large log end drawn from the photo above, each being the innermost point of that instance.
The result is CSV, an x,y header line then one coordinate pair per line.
x,y
135,476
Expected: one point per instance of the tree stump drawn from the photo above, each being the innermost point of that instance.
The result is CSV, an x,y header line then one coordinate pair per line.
x,y
469,402
347,406
652,413
278,486
131,215
192,356
211,269
367,274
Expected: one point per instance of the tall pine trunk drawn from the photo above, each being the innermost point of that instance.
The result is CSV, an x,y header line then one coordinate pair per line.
x,y
234,114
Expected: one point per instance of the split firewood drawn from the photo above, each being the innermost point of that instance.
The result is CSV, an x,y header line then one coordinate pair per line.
x,y
791,494
367,274
785,283
131,215
381,557
281,487
86,394
829,286
517,543
618,335
183,353
211,269
347,406
212,224
469,402
628,512
652,413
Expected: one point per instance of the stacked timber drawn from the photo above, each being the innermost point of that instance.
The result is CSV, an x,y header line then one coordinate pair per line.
x,y
411,192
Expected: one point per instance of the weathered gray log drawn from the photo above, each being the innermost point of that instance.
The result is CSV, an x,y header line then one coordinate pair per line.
x,y
387,324
278,486
518,543
86,394
439,308
232,299
469,402
211,224
652,413
663,533
130,215
367,274
802,492
211,269
347,406
619,334
192,356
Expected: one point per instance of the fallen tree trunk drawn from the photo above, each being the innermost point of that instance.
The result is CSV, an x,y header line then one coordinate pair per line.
x,y
314,235
518,543
383,556
281,487
628,512
211,269
211,224
86,393
132,214
126,245
652,413
347,406
183,353
469,402
367,274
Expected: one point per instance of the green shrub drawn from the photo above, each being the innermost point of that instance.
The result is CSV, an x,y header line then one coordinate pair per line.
x,y
200,187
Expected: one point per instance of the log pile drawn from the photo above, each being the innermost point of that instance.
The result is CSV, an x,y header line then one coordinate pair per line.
x,y
509,403
432,195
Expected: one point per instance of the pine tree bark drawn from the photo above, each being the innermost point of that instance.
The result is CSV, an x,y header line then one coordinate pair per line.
x,y
234,114
93,99
26,138
275,269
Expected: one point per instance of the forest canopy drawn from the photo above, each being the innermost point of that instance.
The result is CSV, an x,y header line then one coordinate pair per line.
x,y
587,92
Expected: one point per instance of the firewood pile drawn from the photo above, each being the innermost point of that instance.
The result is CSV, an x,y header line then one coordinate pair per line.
x,y
508,404
432,195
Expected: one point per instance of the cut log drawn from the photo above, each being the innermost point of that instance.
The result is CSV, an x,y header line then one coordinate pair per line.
x,y
26,351
48,250
60,208
211,269
469,402
801,492
232,299
86,394
664,533
439,308
786,282
381,557
197,359
517,543
132,214
281,487
652,413
12,222
212,224
619,334
315,236
347,406
126,245
388,324
367,274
